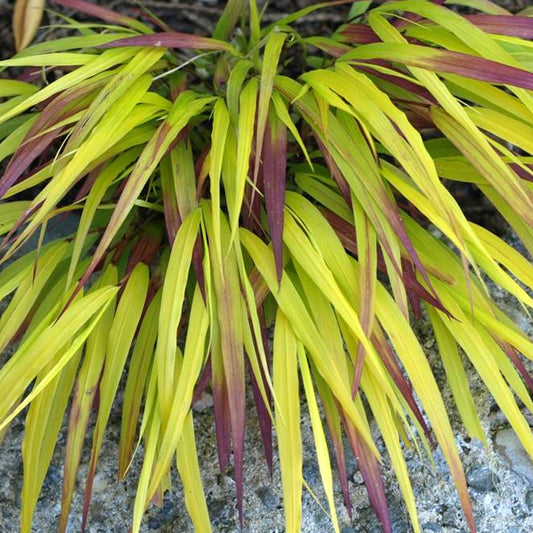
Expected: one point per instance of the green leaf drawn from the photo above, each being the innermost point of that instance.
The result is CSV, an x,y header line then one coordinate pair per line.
x,y
358,8
229,18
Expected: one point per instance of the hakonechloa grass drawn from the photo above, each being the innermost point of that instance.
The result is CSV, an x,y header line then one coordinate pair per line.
x,y
221,194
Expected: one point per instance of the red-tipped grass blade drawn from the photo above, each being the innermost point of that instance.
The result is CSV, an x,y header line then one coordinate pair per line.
x,y
171,40
512,25
432,59
274,177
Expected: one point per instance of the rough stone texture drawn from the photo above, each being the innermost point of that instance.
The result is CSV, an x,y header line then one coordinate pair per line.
x,y
480,478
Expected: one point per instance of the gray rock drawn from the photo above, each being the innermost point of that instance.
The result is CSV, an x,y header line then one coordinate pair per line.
x,y
348,529
512,451
480,478
270,500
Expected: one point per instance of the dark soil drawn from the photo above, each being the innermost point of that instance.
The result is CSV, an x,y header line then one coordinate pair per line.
x,y
199,16
194,16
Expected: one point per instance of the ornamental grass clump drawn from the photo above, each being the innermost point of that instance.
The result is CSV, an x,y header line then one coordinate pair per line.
x,y
257,180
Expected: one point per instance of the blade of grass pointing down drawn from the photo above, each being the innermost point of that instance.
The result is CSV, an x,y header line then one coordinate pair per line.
x,y
84,394
119,340
153,471
285,370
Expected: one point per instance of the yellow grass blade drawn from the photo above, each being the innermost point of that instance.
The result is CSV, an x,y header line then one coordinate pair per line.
x,y
43,423
294,309
474,343
321,446
29,290
388,429
138,375
186,106
84,394
221,122
171,309
189,470
15,87
117,88
193,358
303,252
231,325
74,326
274,44
419,372
367,257
331,270
151,433
253,335
475,38
283,114
119,341
11,143
59,59
235,82
480,251
75,42
234,184
94,66
456,376
285,371
10,212
93,200
110,130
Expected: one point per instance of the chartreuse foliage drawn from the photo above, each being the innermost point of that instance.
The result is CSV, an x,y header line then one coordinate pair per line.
x,y
263,180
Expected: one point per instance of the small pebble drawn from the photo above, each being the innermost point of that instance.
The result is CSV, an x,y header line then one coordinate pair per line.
x,y
348,529
204,402
268,498
480,478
